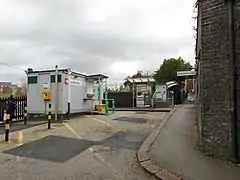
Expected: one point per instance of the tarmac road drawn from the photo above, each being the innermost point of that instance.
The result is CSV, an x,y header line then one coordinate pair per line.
x,y
84,148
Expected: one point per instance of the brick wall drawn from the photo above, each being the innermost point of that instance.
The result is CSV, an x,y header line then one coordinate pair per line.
x,y
214,77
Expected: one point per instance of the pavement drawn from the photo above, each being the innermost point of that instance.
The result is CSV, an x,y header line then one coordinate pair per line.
x,y
170,152
18,126
86,147
144,109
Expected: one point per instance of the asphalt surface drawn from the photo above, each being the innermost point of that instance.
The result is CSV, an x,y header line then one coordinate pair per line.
x,y
18,126
84,148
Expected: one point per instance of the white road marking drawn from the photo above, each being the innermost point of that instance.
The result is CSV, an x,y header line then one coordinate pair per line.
x,y
73,131
103,122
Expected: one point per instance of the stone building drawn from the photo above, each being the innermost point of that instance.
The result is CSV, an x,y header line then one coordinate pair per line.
x,y
218,89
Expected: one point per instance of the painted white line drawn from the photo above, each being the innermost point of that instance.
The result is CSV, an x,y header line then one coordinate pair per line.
x,y
103,122
98,156
73,131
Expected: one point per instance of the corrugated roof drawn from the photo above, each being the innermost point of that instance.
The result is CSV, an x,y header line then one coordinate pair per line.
x,y
140,80
171,84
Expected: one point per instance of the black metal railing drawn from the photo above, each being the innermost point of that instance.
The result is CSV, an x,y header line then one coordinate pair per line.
x,y
122,99
19,102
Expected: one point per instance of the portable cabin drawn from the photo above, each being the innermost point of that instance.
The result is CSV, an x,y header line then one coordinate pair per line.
x,y
73,93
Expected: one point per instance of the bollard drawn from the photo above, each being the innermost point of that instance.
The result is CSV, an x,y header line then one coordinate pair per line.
x,y
20,137
113,106
25,115
69,106
7,127
49,116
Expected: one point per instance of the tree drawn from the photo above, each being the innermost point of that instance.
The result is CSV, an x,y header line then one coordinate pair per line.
x,y
7,90
139,74
168,70
19,92
24,85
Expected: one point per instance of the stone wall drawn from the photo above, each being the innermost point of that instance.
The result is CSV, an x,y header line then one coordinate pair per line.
x,y
214,77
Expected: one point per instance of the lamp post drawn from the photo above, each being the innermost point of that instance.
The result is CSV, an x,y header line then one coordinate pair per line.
x,y
69,93
56,93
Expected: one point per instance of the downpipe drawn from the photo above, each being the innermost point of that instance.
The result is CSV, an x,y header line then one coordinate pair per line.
x,y
234,78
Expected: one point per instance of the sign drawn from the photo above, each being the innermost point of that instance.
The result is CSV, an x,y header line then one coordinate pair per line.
x,y
186,73
141,88
75,82
161,92
46,86
66,81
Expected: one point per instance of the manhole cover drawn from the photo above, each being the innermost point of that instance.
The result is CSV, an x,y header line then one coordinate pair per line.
x,y
52,148
131,119
124,140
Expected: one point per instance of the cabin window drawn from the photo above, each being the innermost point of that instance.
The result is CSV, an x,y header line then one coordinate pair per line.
x,y
52,78
32,80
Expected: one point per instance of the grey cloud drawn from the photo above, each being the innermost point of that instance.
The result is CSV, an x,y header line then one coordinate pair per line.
x,y
103,45
62,32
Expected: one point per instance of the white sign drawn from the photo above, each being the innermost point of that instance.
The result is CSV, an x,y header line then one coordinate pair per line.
x,y
186,73
141,88
75,82
46,86
161,91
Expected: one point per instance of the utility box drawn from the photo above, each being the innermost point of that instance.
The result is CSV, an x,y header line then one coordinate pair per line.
x,y
78,90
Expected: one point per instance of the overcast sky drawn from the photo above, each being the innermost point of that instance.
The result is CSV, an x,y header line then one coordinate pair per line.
x,y
114,37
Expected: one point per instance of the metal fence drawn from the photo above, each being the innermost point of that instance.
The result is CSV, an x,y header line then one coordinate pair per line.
x,y
20,103
122,99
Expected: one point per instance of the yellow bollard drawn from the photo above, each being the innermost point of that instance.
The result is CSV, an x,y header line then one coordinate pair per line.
x,y
20,136
7,127
5,116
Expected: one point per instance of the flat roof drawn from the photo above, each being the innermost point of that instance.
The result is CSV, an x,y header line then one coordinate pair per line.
x,y
46,71
97,76
93,76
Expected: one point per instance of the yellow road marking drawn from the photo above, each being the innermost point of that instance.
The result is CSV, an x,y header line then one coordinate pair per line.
x,y
103,122
91,149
